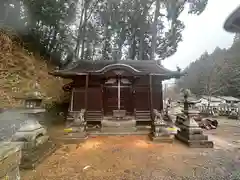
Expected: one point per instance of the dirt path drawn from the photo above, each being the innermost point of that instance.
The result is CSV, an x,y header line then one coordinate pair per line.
x,y
137,158
129,157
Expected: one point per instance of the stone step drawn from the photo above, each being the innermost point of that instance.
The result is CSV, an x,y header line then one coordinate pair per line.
x,y
143,119
143,116
118,123
94,114
98,133
94,119
117,130
72,138
139,113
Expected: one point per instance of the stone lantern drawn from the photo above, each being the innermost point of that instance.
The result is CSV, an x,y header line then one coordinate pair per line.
x,y
36,144
190,133
33,100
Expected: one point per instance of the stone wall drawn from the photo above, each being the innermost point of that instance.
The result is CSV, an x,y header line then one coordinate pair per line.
x,y
10,156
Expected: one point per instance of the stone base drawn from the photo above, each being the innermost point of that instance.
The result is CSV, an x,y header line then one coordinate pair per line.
x,y
193,137
10,157
73,138
14,173
118,123
197,143
162,139
31,157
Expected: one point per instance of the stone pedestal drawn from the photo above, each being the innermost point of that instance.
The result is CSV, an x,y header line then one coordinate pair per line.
x,y
10,155
192,135
35,143
119,114
233,115
160,132
76,130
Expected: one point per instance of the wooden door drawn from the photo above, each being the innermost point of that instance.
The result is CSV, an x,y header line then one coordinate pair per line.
x,y
111,99
127,99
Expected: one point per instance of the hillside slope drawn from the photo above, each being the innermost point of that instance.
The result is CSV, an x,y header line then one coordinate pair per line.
x,y
20,70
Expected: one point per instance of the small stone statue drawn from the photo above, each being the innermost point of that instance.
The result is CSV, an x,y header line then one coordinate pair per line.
x,y
233,114
79,123
79,117
160,132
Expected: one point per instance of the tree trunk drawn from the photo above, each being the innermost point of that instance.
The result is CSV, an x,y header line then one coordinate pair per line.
x,y
133,48
77,48
142,33
154,30
84,31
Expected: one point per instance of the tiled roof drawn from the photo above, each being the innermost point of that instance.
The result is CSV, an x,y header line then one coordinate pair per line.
x,y
229,98
232,24
212,99
138,66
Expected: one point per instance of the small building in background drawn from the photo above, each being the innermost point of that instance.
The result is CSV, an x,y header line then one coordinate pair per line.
x,y
211,101
229,99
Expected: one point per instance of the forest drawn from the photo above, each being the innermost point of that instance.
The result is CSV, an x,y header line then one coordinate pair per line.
x,y
215,74
37,36
99,29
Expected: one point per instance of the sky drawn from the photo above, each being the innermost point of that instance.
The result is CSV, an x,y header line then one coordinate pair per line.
x,y
203,33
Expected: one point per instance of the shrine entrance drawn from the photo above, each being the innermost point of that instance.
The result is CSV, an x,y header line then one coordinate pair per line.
x,y
118,96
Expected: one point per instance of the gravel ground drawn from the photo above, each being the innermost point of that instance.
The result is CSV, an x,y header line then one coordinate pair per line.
x,y
135,157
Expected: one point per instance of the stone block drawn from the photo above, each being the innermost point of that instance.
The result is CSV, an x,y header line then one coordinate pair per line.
x,y
10,155
31,157
14,174
195,143
197,130
162,139
72,138
193,136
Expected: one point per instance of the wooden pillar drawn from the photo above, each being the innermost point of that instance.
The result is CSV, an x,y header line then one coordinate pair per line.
x,y
86,91
151,91
71,103
161,96
102,96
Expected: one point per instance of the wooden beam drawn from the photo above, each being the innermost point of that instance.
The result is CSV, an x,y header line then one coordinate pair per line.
x,y
72,95
86,91
151,100
102,97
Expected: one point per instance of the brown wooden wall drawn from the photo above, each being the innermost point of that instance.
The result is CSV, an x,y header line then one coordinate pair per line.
x,y
94,98
141,99
142,94
157,100
78,99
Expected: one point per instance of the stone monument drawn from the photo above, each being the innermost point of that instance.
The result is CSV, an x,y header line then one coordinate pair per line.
x,y
160,129
10,156
35,143
190,133
76,130
33,99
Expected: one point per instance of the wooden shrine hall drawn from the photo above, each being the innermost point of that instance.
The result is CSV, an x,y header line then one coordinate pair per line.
x,y
122,90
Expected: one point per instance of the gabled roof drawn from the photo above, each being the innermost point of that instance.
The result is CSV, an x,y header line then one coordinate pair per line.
x,y
137,67
229,98
232,24
212,99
